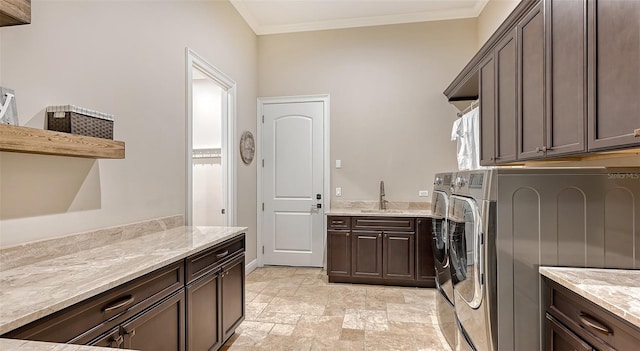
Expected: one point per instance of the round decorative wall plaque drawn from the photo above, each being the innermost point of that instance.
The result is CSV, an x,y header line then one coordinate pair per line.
x,y
247,147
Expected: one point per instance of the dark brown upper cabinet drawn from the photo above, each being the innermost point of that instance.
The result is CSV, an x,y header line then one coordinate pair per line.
x,y
506,98
557,78
531,85
614,74
487,81
566,73
14,12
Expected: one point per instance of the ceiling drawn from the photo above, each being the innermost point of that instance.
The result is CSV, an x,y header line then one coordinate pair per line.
x,y
285,16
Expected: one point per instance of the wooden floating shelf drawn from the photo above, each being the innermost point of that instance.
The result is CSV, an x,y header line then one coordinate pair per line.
x,y
46,142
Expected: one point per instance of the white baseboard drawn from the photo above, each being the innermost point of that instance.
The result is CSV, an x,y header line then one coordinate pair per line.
x,y
250,267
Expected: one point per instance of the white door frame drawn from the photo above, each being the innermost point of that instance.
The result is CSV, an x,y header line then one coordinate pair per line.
x,y
228,136
326,196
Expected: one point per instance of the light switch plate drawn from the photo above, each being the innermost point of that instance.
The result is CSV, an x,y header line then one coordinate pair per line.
x,y
338,191
338,163
423,193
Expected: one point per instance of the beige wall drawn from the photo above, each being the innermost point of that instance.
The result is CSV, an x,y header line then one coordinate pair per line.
x,y
492,16
125,58
389,118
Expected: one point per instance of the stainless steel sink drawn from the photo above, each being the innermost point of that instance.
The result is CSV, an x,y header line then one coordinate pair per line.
x,y
380,211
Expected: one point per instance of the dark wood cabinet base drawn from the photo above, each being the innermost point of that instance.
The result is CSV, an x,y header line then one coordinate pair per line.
x,y
380,250
380,281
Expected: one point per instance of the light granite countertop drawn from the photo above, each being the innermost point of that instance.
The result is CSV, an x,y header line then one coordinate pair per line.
x,y
32,291
615,290
378,213
24,345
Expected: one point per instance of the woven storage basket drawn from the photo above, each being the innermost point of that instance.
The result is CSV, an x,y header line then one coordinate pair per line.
x,y
80,121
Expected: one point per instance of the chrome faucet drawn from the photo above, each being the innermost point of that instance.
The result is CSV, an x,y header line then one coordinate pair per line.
x,y
383,202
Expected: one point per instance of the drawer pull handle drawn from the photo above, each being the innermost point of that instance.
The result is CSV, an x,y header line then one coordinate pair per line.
x,y
594,324
220,255
119,304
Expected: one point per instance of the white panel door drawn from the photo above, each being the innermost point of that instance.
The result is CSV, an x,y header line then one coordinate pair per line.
x,y
292,182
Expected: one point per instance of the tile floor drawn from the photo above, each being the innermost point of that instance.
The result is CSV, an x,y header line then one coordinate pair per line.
x,y
296,309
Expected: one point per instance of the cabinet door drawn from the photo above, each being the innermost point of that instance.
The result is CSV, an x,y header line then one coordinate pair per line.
x,y
506,98
203,310
339,253
614,74
366,254
559,338
160,328
398,256
566,72
531,107
232,296
425,267
487,123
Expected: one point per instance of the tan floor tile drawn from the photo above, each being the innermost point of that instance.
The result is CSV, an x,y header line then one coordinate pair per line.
x,y
295,309
409,313
292,306
253,310
276,317
365,320
285,343
337,311
375,340
338,345
352,335
319,327
282,329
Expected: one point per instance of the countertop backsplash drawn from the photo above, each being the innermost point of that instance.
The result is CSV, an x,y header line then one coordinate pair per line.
x,y
36,251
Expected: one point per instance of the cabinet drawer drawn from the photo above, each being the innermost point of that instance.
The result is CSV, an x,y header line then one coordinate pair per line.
x,y
560,338
383,223
105,310
338,222
209,260
591,322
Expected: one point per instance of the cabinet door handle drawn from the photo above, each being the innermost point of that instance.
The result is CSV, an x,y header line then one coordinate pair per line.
x,y
347,235
593,323
127,300
379,235
220,255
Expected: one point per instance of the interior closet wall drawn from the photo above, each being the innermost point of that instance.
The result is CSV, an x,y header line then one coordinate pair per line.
x,y
207,170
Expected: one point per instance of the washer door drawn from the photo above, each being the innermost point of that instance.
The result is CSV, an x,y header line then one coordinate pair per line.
x,y
466,249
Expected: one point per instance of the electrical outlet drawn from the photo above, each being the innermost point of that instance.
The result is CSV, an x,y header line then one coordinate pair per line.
x,y
423,193
338,191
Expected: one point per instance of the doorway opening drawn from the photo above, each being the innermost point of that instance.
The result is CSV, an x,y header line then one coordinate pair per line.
x,y
211,188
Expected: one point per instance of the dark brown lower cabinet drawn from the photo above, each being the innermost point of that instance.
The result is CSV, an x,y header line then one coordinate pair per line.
x,y
232,296
575,323
366,254
380,250
425,268
170,309
563,339
339,253
143,331
398,258
215,306
203,309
